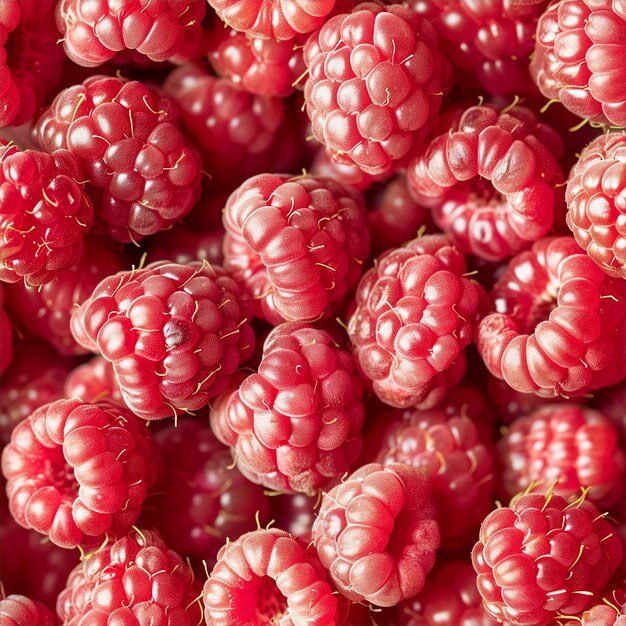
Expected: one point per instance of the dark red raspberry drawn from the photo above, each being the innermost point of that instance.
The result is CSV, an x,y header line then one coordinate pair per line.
x,y
579,58
572,445
45,312
267,577
295,513
162,31
414,315
44,214
376,81
560,325
298,243
543,557
596,201
94,381
6,335
183,245
296,424
611,402
78,471
141,173
491,180
18,610
133,581
174,333
377,533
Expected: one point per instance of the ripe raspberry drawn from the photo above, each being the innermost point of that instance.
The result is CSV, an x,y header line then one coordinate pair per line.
x,y
490,180
377,533
600,615
596,199
183,245
376,81
568,443
266,577
44,214
298,243
45,312
76,471
133,581
174,333
560,327
94,381
141,173
17,610
413,317
543,557
162,31
6,335
579,58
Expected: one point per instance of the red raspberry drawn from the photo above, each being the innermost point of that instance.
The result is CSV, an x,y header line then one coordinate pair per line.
x,y
94,381
560,327
30,59
6,335
596,199
183,245
298,243
44,214
162,31
76,471
543,557
17,610
376,81
377,533
490,180
174,333
266,577
600,615
413,317
579,58
133,581
140,171
45,312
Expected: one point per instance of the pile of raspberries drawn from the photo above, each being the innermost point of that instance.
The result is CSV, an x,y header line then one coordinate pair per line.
x,y
313,312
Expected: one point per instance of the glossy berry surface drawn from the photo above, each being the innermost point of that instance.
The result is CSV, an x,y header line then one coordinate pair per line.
x,y
94,381
18,610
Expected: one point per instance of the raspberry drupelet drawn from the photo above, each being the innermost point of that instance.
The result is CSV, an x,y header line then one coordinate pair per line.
x,y
560,327
19,610
376,81
139,169
77,471
93,381
174,333
492,180
298,243
611,612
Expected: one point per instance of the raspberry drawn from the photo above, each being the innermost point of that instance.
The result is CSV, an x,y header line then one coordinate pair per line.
x,y
141,173
296,423
490,180
44,214
133,581
298,243
45,312
76,471
596,199
295,513
612,403
30,60
542,557
266,577
376,81
162,31
600,615
377,533
413,317
183,245
579,58
94,381
567,443
174,333
6,335
17,610
450,451
560,328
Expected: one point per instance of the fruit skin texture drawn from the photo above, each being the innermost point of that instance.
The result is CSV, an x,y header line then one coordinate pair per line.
x,y
296,424
491,179
44,214
133,581
534,556
376,81
579,58
76,471
6,335
596,201
377,533
267,577
174,333
559,326
142,174
18,610
413,317
93,381
298,243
